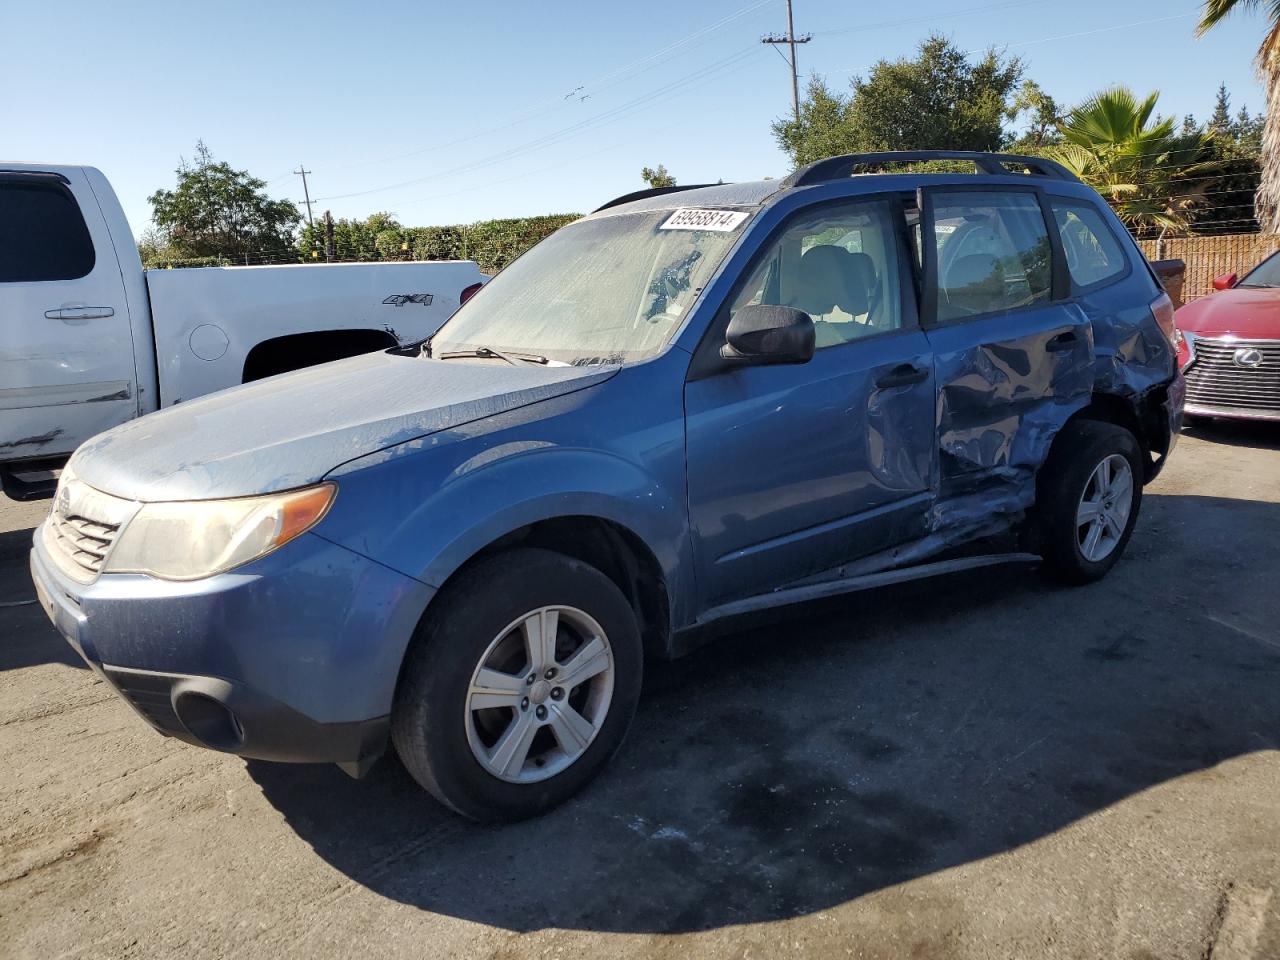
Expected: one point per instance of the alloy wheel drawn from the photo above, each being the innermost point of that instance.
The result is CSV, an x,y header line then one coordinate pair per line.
x,y
1105,505
540,694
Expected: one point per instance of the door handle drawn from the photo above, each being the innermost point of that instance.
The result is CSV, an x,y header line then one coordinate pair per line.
x,y
79,313
1063,341
904,374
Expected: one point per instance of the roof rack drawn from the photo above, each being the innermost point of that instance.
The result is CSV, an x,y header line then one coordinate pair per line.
x,y
998,164
651,192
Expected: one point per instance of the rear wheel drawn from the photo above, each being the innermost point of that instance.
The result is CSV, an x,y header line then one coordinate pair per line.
x,y
520,686
1088,495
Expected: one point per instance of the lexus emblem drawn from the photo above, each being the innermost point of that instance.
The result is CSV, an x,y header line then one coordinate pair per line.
x,y
1247,357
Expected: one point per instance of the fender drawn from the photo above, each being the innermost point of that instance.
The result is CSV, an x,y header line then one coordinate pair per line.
x,y
623,496
473,485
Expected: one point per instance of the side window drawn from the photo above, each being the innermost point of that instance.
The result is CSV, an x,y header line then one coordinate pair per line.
x,y
42,234
839,264
993,252
1092,252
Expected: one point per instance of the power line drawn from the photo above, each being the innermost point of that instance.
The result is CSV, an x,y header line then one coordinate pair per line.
x,y
1111,29
573,130
790,39
1016,43
581,92
906,21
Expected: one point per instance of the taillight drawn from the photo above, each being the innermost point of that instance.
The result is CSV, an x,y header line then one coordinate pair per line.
x,y
1162,310
469,292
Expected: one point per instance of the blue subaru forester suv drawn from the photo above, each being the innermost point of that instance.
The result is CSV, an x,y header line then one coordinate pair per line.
x,y
693,403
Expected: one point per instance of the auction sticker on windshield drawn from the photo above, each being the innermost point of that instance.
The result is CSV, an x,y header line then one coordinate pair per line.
x,y
688,218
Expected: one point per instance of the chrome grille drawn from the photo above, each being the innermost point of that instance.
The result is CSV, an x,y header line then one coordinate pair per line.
x,y
1216,379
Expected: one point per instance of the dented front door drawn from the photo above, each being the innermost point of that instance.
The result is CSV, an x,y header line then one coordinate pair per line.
x,y
796,469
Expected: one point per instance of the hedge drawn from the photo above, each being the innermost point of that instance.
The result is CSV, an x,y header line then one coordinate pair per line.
x,y
491,243
172,263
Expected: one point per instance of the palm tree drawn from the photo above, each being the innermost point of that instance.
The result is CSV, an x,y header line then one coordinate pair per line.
x,y
1267,60
1149,172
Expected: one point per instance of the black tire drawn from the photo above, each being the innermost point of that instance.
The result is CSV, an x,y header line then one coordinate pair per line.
x,y
428,719
1077,452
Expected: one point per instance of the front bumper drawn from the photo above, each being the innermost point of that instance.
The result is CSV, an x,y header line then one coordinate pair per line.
x,y
293,657
1232,413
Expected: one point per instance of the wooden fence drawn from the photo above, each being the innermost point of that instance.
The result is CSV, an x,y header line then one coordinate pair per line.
x,y
1209,257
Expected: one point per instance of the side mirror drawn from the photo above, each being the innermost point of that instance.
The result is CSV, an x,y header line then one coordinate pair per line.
x,y
1225,282
760,333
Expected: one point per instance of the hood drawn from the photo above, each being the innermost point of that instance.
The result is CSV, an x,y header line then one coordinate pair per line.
x,y
1251,314
290,430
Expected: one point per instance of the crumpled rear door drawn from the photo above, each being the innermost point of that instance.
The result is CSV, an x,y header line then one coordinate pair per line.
x,y
1013,353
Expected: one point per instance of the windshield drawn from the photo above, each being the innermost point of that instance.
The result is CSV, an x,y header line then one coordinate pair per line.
x,y
609,290
1265,274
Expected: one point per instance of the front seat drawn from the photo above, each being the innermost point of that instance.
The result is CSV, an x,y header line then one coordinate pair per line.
x,y
830,279
864,276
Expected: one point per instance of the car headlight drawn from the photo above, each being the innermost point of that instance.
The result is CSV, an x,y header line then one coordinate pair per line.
x,y
187,540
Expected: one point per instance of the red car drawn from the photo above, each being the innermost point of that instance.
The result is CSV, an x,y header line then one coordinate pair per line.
x,y
1229,347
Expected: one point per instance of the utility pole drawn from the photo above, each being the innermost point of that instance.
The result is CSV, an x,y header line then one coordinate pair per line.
x,y
303,173
790,39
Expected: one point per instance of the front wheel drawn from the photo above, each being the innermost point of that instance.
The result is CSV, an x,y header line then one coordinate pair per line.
x,y
1088,494
520,686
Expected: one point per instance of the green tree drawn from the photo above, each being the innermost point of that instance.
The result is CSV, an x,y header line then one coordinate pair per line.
x,y
378,236
938,100
1042,113
1151,174
1246,131
1220,120
217,211
1267,60
658,177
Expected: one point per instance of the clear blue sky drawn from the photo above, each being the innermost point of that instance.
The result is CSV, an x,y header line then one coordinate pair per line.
x,y
466,108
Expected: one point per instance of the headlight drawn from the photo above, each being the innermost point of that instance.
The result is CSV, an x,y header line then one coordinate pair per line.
x,y
187,540
1186,343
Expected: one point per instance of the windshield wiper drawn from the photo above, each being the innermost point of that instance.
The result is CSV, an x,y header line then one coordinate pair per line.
x,y
511,358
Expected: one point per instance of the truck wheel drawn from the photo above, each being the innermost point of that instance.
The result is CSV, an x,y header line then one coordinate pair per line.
x,y
520,685
1088,494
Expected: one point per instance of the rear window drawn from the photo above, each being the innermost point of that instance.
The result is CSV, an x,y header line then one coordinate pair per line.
x,y
1092,252
42,234
993,252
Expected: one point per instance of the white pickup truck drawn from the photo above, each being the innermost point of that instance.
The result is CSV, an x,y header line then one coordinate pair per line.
x,y
88,339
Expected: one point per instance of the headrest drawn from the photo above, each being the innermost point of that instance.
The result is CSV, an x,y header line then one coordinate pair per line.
x,y
828,278
975,269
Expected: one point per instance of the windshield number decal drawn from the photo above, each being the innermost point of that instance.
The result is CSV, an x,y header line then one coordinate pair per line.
x,y
688,218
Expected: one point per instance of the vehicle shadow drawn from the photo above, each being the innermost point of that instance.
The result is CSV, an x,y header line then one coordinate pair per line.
x,y
27,638
1251,434
863,742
